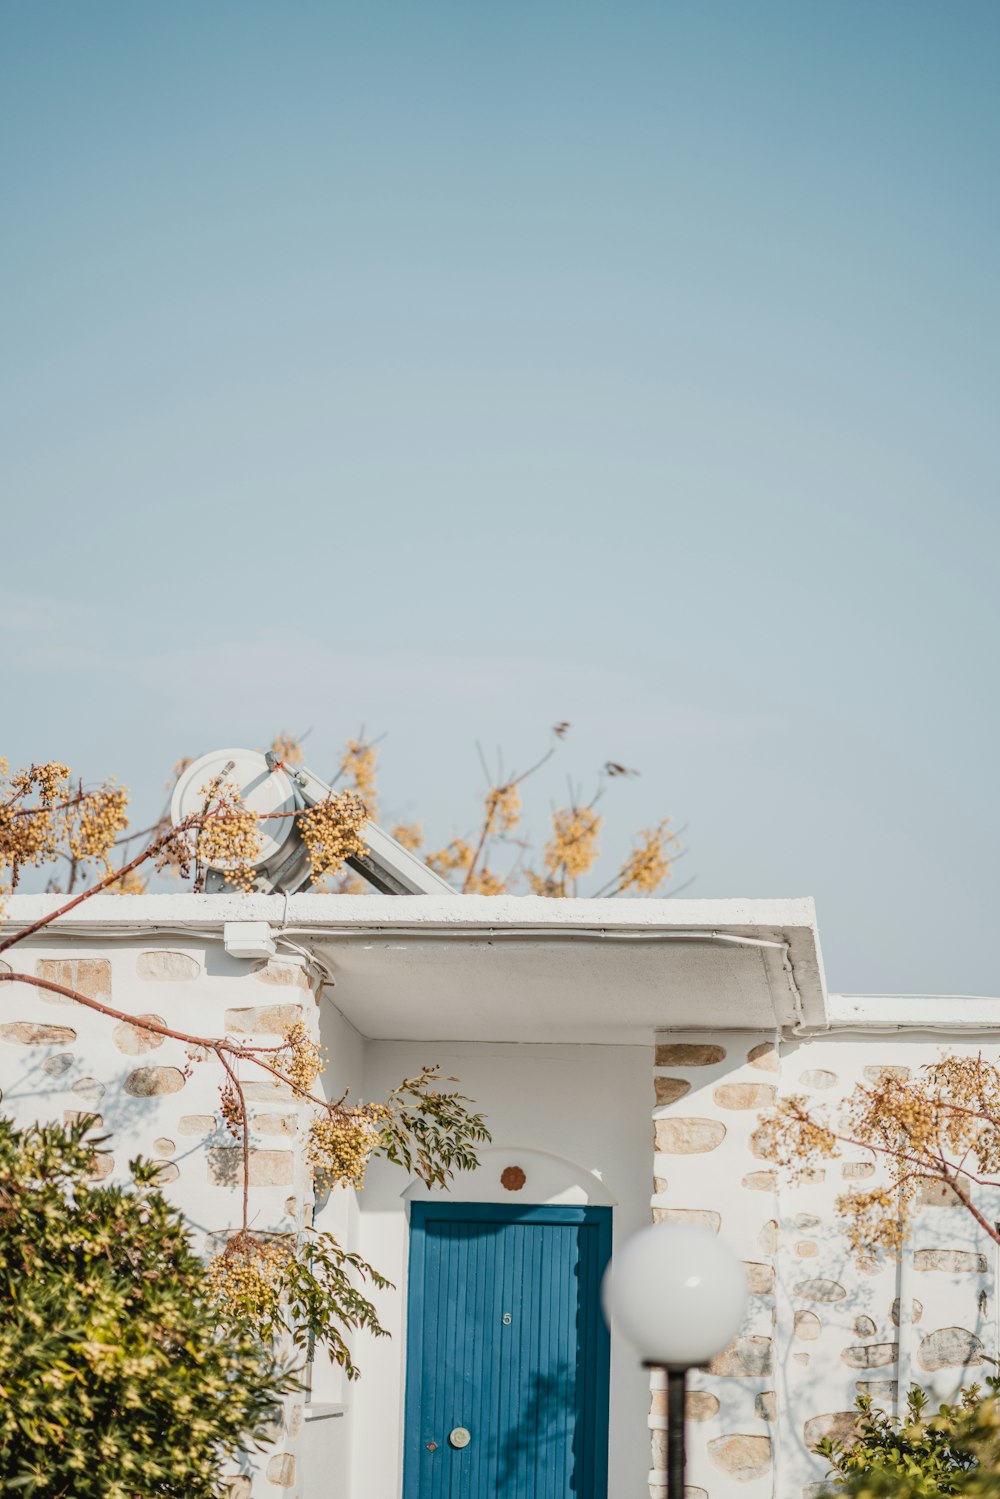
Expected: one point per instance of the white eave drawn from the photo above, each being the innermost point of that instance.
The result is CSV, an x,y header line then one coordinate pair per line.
x,y
512,968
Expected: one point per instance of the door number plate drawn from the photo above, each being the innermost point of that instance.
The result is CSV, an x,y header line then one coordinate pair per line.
x,y
460,1437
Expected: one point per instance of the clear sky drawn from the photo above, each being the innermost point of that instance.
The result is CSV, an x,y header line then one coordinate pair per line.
x,y
453,368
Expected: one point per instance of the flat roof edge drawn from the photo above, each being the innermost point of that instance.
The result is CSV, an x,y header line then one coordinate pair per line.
x,y
331,912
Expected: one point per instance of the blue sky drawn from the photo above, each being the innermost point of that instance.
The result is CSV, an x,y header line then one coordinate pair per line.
x,y
453,369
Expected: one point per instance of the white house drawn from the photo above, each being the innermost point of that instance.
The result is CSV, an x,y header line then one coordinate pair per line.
x,y
623,1051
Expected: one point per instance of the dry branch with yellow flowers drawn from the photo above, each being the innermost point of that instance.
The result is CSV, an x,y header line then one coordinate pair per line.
x,y
81,835
935,1133
306,1285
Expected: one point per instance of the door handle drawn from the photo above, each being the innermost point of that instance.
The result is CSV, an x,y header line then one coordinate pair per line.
x,y
460,1437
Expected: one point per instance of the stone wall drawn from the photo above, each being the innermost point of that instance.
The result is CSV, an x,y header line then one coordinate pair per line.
x,y
819,1329
58,1059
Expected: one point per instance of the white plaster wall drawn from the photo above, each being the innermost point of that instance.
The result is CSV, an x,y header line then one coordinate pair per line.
x,y
822,1330
577,1119
57,1057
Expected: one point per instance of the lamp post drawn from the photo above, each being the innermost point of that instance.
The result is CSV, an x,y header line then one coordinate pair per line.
x,y
678,1295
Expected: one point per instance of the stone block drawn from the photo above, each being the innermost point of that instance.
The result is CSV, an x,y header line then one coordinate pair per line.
x,y
148,1082
166,1171
134,1041
669,1089
700,1405
954,1261
818,1077
938,1195
768,1236
745,1095
819,1290
764,1056
916,1311
196,1124
91,1089
694,1217
163,1146
89,976
877,1073
766,1405
262,1020
805,1221
281,1470
879,1389
839,1426
688,1136
268,1090
807,1249
742,1456
28,1033
746,1358
282,973
275,1124
57,1065
689,1054
864,1327
760,1181
950,1348
807,1326
160,967
870,1355
760,1277
268,1168
857,1170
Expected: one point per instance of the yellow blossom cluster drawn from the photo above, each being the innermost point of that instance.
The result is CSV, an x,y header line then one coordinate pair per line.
x,y
358,765
341,1142
409,834
247,1277
456,855
485,882
131,883
573,847
42,815
648,864
299,1058
935,1135
99,819
334,832
503,808
286,748
229,835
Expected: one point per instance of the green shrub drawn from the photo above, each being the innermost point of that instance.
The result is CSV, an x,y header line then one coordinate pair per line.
x,y
919,1455
116,1379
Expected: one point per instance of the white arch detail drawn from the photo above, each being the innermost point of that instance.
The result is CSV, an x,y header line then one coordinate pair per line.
x,y
549,1178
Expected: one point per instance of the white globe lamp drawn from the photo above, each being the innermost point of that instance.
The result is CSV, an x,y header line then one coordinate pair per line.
x,y
678,1295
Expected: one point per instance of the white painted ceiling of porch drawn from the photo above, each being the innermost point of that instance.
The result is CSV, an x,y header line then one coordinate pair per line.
x,y
529,990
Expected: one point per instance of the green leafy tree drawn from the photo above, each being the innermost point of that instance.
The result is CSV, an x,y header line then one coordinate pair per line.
x,y
920,1455
116,1378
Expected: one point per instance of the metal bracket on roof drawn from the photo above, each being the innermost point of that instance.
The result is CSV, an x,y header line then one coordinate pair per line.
x,y
275,791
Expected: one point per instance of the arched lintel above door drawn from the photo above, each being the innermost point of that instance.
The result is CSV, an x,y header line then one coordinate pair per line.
x,y
516,1173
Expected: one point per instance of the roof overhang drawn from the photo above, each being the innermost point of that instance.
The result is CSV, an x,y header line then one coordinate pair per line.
x,y
515,968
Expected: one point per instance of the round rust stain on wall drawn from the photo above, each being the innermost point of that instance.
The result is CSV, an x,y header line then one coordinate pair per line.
x,y
512,1178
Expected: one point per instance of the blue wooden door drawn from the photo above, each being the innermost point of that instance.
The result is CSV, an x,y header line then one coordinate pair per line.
x,y
505,1339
